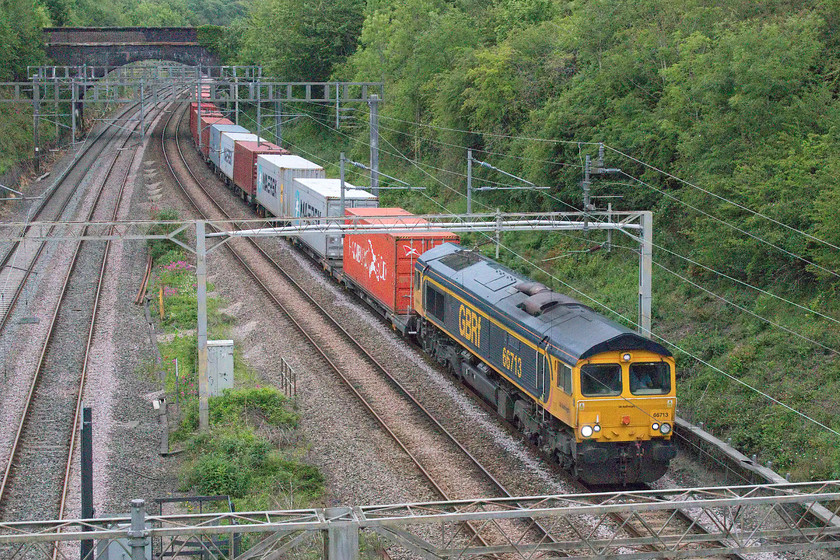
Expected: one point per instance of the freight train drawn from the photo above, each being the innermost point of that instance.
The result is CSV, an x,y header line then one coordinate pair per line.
x,y
595,395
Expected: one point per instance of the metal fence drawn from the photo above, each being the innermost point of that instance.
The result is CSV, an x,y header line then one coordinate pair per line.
x,y
288,379
724,520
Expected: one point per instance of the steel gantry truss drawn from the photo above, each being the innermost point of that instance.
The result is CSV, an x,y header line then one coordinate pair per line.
x,y
637,225
124,89
716,521
58,94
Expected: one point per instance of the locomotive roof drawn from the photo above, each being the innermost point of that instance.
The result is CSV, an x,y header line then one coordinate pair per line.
x,y
574,328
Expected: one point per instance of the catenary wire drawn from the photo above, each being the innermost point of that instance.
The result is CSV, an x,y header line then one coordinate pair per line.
x,y
664,340
496,135
420,165
724,199
449,144
634,159
733,226
687,259
678,347
740,307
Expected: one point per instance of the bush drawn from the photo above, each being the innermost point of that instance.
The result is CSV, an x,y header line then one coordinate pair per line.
x,y
218,475
235,459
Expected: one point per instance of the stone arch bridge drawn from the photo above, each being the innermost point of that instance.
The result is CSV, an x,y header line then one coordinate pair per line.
x,y
116,46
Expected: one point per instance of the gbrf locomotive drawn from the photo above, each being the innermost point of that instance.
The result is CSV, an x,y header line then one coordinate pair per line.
x,y
596,395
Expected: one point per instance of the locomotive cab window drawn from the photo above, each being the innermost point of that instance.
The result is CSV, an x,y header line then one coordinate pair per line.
x,y
650,378
600,380
416,279
564,378
434,302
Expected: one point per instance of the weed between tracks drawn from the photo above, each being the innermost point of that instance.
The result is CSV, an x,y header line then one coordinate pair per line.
x,y
252,451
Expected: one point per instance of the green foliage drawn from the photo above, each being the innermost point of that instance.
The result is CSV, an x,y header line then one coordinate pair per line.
x,y
153,13
234,458
265,404
739,98
301,39
20,34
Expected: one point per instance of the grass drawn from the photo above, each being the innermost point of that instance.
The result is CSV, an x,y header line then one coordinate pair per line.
x,y
252,451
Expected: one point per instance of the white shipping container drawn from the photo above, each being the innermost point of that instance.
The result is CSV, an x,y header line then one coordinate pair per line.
x,y
227,147
322,197
275,173
216,138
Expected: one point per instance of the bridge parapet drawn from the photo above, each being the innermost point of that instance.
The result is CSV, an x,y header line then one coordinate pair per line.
x,y
116,46
119,35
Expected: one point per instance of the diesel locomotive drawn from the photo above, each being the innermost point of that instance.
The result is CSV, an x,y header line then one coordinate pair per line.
x,y
596,395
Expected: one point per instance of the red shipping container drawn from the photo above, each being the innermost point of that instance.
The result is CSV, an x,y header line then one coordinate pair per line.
x,y
245,163
382,264
207,110
206,123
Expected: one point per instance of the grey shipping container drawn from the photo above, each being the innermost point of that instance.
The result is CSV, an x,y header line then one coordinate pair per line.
x,y
216,139
275,173
322,197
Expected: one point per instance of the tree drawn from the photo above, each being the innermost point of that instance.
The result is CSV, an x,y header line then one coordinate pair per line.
x,y
302,39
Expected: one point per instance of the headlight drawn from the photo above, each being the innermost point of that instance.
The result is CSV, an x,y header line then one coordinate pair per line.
x,y
597,428
665,429
586,431
654,426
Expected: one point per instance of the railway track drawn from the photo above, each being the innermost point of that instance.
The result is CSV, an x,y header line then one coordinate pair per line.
x,y
426,452
19,261
36,478
400,400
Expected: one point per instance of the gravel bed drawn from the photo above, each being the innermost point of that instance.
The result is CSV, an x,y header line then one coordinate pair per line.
x,y
360,463
121,379
35,489
21,342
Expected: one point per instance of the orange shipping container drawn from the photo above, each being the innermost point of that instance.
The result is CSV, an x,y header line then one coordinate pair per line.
x,y
382,264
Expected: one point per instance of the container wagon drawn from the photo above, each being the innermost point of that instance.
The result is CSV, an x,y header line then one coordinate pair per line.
x,y
322,197
228,148
245,166
216,131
